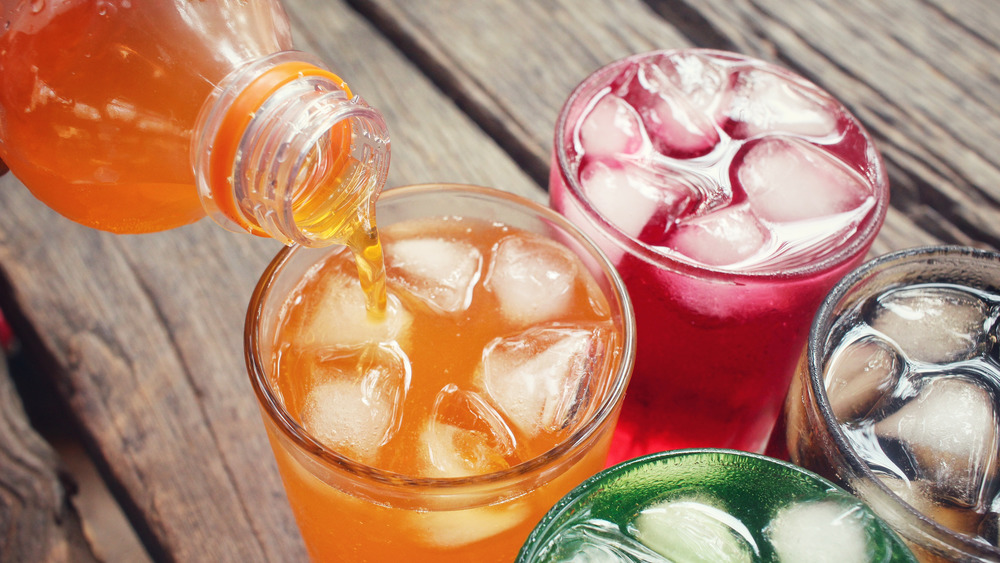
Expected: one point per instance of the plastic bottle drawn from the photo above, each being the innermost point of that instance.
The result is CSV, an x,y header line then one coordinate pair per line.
x,y
135,116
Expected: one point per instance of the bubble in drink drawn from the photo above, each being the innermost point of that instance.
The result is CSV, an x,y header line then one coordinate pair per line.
x,y
441,273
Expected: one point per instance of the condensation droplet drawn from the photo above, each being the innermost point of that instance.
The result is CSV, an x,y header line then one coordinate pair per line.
x,y
106,9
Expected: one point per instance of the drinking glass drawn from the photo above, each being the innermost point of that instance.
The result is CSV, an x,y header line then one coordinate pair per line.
x,y
659,152
350,511
844,418
710,505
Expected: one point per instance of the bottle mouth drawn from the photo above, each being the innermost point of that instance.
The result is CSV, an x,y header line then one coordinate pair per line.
x,y
292,154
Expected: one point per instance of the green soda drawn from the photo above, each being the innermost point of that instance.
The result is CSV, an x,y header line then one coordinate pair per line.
x,y
710,505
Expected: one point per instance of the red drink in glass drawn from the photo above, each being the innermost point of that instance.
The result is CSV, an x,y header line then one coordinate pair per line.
x,y
731,195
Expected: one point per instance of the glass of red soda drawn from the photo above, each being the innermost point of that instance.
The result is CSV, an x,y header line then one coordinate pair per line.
x,y
731,194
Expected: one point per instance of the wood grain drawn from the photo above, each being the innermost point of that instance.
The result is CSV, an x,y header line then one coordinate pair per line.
x,y
942,191
144,333
37,520
920,75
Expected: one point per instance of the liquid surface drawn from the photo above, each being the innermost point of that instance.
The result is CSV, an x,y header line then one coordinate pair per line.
x,y
712,507
915,384
709,167
431,374
724,162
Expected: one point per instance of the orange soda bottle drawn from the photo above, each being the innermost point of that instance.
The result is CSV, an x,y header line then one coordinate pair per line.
x,y
135,116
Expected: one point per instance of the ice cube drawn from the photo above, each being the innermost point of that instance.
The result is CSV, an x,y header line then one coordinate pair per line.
x,y
932,324
703,82
919,495
465,436
455,528
354,404
821,531
950,430
339,315
643,202
675,127
533,278
791,180
441,273
597,541
694,531
541,378
724,237
584,552
859,375
763,102
611,128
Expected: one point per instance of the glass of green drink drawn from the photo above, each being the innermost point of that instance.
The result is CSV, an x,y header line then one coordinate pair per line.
x,y
710,505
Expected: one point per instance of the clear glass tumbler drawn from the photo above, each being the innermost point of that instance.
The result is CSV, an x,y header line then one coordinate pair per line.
x,y
731,195
348,510
897,397
711,505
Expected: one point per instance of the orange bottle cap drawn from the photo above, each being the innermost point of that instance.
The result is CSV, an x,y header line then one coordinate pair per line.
x,y
235,122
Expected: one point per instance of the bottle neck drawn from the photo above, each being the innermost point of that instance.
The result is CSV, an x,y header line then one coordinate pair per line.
x,y
283,149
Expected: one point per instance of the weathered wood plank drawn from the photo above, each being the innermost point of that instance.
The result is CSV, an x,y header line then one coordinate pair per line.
x,y
515,87
146,331
513,78
920,75
37,520
432,139
124,376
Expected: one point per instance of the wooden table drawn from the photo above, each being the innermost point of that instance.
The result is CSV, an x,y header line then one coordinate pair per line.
x,y
141,336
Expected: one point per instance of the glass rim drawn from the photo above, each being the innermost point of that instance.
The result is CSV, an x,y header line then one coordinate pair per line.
x,y
866,234
327,457
817,351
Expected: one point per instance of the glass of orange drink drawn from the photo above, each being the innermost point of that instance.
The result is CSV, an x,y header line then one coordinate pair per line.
x,y
442,425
